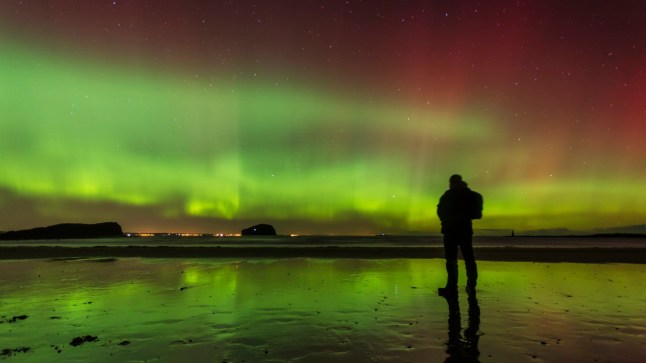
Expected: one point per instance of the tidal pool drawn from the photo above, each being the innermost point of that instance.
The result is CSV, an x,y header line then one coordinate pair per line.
x,y
317,310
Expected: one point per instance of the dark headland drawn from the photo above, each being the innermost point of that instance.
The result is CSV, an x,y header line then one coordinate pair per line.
x,y
67,231
259,230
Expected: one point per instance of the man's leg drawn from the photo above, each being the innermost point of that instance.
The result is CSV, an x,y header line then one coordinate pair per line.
x,y
466,246
451,257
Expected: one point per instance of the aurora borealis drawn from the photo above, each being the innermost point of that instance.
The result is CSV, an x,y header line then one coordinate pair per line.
x,y
321,116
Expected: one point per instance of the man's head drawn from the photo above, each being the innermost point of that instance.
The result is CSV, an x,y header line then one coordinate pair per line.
x,y
455,181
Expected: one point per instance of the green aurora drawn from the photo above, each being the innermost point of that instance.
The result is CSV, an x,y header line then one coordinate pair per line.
x,y
76,133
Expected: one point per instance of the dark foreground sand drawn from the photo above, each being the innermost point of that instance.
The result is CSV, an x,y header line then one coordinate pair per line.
x,y
529,254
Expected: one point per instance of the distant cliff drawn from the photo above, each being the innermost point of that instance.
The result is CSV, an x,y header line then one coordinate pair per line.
x,y
259,230
67,231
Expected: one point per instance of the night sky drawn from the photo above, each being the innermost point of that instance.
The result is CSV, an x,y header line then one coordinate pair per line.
x,y
321,116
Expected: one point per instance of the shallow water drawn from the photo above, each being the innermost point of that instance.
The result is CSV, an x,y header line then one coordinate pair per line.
x,y
341,241
309,310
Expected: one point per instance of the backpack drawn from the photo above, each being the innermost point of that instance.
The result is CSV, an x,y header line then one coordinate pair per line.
x,y
476,205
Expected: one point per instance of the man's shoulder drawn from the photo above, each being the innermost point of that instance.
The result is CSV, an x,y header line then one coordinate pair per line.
x,y
446,194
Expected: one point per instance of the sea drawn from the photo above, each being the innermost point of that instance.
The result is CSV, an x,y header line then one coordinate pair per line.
x,y
176,240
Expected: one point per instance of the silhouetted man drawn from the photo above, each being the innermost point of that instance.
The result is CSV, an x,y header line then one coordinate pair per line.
x,y
457,207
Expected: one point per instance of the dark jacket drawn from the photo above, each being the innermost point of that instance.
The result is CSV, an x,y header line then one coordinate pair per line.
x,y
454,210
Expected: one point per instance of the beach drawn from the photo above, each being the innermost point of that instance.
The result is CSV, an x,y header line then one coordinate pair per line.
x,y
125,304
528,249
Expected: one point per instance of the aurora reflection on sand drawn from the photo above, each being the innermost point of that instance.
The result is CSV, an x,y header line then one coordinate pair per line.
x,y
305,310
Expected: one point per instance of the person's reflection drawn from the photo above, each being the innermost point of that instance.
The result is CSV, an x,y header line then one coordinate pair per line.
x,y
463,348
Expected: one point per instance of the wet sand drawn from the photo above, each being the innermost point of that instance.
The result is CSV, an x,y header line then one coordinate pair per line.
x,y
532,254
316,310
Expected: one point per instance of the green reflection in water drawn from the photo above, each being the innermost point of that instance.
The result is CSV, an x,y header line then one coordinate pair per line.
x,y
314,309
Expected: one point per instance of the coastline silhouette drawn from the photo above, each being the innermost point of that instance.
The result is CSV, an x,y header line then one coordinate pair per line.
x,y
67,231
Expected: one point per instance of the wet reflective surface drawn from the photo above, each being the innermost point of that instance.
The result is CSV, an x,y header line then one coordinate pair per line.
x,y
305,310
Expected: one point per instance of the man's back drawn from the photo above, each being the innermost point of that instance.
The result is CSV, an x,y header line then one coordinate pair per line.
x,y
454,210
